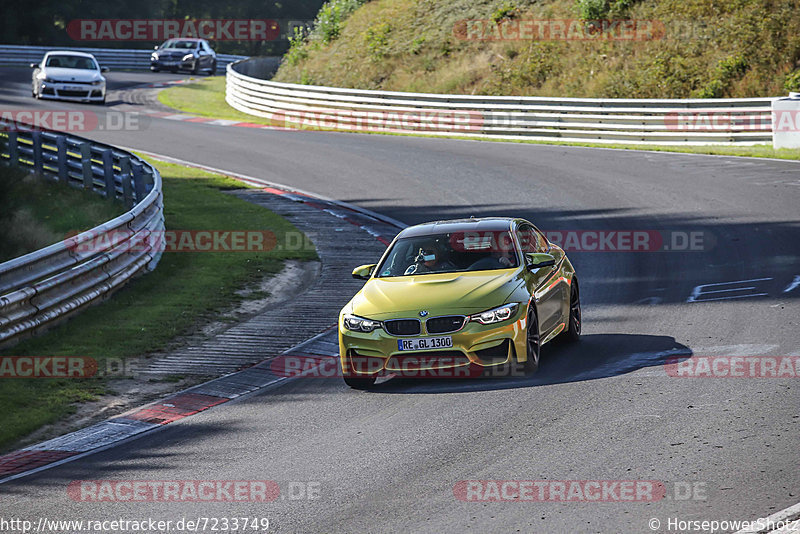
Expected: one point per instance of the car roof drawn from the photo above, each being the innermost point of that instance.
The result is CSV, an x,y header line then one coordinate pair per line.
x,y
484,224
185,39
69,53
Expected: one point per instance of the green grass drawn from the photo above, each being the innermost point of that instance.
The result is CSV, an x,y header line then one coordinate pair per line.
x,y
205,98
37,212
213,92
146,314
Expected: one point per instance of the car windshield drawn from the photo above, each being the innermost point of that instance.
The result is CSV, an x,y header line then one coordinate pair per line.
x,y
71,62
181,44
453,252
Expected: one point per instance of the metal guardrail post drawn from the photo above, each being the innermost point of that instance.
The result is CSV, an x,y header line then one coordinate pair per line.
x,y
148,179
13,152
86,163
38,164
108,174
127,189
138,181
61,145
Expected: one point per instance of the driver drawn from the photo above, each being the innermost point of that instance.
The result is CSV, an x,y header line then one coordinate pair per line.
x,y
429,260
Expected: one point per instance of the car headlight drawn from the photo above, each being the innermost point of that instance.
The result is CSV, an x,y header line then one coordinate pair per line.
x,y
359,324
97,82
496,315
154,56
188,56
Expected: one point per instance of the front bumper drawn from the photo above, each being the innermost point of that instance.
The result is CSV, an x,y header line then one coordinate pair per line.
x,y
177,64
72,92
476,347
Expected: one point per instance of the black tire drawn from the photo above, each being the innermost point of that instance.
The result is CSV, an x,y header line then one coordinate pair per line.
x,y
154,69
33,92
213,70
359,382
573,330
196,67
534,345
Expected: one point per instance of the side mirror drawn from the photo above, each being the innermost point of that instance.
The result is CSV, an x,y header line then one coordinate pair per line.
x,y
155,47
104,69
34,65
363,272
539,260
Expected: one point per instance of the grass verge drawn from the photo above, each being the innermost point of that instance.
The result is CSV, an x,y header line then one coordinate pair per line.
x,y
37,212
187,287
207,99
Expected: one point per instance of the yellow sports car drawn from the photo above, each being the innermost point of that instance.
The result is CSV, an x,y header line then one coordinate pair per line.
x,y
449,298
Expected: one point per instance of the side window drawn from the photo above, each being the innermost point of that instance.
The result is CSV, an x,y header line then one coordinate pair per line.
x,y
529,240
544,244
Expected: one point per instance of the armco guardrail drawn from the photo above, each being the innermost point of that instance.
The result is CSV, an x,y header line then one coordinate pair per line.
x,y
47,285
112,58
730,121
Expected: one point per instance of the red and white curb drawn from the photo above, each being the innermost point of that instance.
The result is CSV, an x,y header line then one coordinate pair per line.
x,y
134,424
184,117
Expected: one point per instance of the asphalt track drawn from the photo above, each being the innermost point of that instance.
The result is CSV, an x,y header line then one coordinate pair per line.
x,y
388,460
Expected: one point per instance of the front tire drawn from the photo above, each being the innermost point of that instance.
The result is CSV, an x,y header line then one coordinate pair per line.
x,y
573,331
533,343
213,70
359,382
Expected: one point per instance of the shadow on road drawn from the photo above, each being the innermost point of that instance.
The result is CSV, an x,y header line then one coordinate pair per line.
x,y
594,356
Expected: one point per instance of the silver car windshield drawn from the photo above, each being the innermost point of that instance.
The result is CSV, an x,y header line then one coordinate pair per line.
x,y
453,252
190,45
71,62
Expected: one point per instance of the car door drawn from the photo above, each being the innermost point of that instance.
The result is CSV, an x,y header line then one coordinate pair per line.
x,y
205,56
543,283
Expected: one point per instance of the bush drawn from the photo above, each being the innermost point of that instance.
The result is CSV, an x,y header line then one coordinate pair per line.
x,y
728,70
506,11
328,23
376,38
593,9
603,9
298,47
792,82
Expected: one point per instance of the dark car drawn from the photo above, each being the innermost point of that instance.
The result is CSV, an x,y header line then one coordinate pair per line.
x,y
193,55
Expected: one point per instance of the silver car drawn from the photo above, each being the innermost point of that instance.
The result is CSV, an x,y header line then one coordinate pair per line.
x,y
67,75
189,54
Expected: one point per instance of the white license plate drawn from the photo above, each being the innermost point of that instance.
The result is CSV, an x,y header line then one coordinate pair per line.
x,y
72,88
425,343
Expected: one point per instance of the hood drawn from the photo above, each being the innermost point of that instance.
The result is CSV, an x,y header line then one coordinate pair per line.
x,y
72,75
439,294
174,52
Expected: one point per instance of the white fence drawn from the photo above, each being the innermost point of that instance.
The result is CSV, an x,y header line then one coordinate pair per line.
x,y
729,121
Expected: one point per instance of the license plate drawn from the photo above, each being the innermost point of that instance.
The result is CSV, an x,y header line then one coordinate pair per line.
x,y
425,343
72,88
